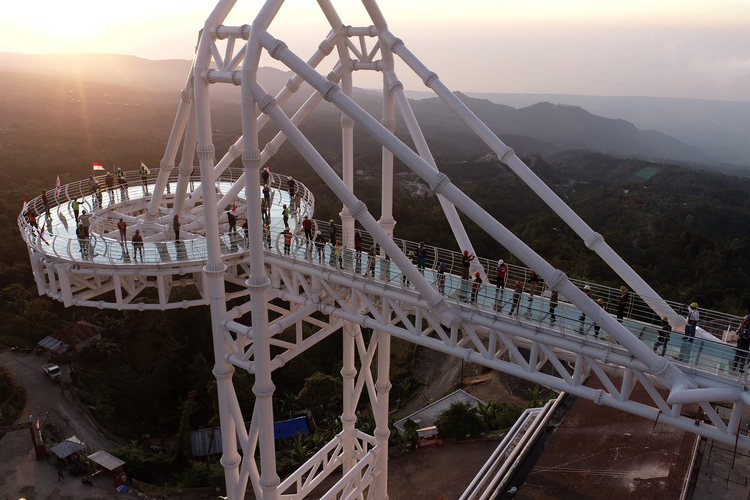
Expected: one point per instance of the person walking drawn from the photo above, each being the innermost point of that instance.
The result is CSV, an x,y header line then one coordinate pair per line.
x,y
582,317
82,239
60,476
123,184
533,280
45,202
372,257
292,187
109,180
622,302
553,303
86,222
332,231
662,336
264,176
264,211
441,278
743,344
98,192
466,264
307,226
475,287
267,195
358,249
232,222
285,216
516,298
337,250
144,178
501,275
137,241
123,228
32,219
246,230
75,206
596,326
176,226
320,245
267,233
421,257
691,322
287,240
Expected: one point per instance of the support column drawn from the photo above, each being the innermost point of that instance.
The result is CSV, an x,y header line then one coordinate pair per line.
x,y
383,388
167,162
186,164
386,211
348,373
347,160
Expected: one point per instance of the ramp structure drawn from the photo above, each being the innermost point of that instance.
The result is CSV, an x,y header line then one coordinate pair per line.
x,y
339,291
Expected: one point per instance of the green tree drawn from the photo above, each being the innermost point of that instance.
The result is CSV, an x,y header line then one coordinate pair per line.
x,y
322,390
459,421
182,441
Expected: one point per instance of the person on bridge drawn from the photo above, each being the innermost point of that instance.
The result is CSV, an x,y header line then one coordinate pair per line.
x,y
320,245
264,175
331,231
267,235
582,317
264,213
32,219
109,180
516,298
358,249
372,258
176,227
596,327
743,344
413,260
45,202
475,287
622,303
691,322
246,230
441,278
123,228
533,280
137,245
500,278
98,193
307,225
466,264
284,215
144,178
421,257
82,239
662,336
287,240
123,184
232,222
553,302
267,195
292,186
86,221
75,206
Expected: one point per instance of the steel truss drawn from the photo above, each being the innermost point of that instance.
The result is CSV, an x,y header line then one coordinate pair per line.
x,y
333,300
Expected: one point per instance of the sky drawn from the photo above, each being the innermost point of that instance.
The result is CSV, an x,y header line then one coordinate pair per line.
x,y
660,48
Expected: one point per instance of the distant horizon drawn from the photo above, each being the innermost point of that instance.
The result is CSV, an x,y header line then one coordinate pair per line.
x,y
409,91
671,48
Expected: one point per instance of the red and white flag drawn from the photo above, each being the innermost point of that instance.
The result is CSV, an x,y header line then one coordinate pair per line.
x,y
57,187
98,166
25,201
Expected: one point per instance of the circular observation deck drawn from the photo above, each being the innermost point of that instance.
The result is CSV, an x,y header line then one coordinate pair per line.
x,y
107,269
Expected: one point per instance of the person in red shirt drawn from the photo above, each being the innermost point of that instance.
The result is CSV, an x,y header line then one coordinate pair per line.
x,y
307,225
476,286
500,278
137,245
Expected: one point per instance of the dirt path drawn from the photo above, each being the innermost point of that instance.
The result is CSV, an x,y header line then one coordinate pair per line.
x,y
21,475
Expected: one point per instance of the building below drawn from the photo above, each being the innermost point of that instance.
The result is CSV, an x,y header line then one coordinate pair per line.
x,y
599,452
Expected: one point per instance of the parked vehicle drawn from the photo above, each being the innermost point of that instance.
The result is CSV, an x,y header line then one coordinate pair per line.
x,y
52,371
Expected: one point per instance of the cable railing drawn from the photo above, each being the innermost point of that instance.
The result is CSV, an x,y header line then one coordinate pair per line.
x,y
104,247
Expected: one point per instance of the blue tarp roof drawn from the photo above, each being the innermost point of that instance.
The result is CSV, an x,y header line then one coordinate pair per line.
x,y
283,429
289,428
